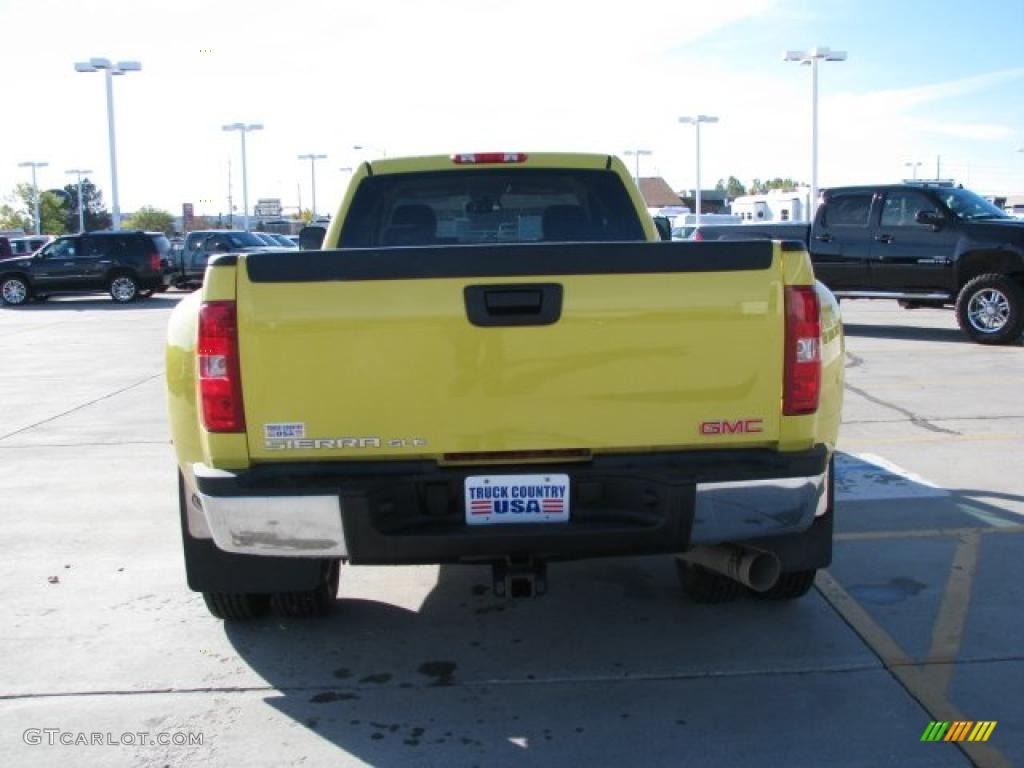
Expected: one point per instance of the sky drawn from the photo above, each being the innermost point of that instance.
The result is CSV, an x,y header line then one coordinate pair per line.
x,y
940,83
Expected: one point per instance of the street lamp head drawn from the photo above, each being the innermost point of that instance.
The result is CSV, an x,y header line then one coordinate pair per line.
x,y
101,63
820,53
129,66
84,66
32,164
82,171
254,127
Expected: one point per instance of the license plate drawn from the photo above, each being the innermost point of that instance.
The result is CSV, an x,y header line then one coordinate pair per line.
x,y
499,499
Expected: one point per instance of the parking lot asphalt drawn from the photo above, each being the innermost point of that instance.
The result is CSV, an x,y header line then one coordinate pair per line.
x,y
919,618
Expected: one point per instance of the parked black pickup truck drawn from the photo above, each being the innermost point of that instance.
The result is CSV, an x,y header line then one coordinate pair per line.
x,y
189,264
923,245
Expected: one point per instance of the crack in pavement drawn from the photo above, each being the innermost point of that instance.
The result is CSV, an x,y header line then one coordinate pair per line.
x,y
85,444
83,405
916,420
837,669
489,683
1006,417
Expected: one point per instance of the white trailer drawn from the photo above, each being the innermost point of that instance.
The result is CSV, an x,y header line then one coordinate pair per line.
x,y
776,205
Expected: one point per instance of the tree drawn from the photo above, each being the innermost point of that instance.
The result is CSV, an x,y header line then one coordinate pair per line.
x,y
12,218
151,219
51,213
732,188
758,187
96,215
20,210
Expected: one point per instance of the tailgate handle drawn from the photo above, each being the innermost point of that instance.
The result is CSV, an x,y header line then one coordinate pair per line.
x,y
502,302
501,305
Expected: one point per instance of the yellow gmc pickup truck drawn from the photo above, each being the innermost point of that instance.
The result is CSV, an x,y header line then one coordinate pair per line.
x,y
495,361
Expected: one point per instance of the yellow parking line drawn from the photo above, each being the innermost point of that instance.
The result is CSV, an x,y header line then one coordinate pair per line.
x,y
923,682
948,629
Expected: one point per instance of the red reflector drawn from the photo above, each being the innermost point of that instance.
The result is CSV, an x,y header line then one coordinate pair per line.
x,y
698,235
480,158
220,381
802,367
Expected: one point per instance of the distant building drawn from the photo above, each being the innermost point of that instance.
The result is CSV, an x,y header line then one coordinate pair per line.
x,y
658,194
711,200
1014,205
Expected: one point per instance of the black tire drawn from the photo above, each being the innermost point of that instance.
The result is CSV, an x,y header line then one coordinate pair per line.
x,y
707,587
123,288
15,291
990,309
311,603
236,606
790,586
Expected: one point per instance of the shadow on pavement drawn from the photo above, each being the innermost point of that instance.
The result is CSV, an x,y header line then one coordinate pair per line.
x,y
97,302
584,673
904,333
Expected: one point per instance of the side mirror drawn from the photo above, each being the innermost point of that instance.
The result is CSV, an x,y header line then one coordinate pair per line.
x,y
311,238
929,218
664,227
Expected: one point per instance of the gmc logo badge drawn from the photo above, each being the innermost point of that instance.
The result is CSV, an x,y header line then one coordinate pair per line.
x,y
727,427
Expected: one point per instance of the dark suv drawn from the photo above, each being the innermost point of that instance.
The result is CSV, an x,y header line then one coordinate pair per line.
x,y
125,264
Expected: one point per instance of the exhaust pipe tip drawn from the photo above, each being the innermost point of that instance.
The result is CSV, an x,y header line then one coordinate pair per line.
x,y
753,568
762,570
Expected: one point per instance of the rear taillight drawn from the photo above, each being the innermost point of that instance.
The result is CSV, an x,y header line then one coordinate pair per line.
x,y
698,235
802,370
220,382
154,261
482,158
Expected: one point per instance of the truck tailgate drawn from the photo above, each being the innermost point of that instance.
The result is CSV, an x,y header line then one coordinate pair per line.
x,y
371,353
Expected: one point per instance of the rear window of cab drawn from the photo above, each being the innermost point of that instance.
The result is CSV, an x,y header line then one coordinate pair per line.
x,y
493,205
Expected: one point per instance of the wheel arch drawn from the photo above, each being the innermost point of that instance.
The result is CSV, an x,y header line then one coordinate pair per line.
x,y
121,270
16,273
989,261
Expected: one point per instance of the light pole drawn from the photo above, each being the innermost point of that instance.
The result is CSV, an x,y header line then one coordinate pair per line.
x,y
637,153
812,57
244,128
81,203
696,120
110,69
312,169
35,189
913,166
